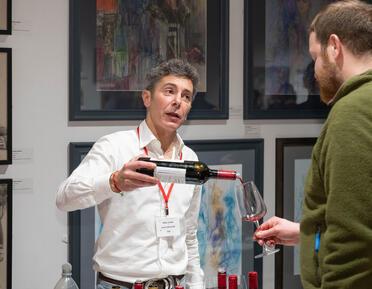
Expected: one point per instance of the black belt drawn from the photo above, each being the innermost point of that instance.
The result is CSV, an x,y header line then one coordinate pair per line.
x,y
130,285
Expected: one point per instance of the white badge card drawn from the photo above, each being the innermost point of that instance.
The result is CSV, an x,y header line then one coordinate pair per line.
x,y
167,227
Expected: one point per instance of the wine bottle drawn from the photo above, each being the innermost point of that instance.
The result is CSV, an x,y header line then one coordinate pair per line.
x,y
233,281
185,172
221,278
253,280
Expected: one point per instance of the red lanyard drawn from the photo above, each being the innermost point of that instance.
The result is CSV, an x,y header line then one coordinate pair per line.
x,y
165,196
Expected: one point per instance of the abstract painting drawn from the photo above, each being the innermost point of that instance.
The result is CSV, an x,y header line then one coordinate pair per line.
x,y
224,240
278,69
220,227
124,54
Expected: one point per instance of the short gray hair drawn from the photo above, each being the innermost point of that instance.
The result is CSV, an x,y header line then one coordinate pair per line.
x,y
176,67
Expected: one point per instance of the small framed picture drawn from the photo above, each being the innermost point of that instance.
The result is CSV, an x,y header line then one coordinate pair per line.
x,y
5,106
6,208
5,16
293,158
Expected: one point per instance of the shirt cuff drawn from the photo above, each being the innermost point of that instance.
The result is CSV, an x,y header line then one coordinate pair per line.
x,y
102,188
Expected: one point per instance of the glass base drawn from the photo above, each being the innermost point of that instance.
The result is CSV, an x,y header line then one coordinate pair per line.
x,y
267,252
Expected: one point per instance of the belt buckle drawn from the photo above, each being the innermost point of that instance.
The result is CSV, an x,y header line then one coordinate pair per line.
x,y
164,283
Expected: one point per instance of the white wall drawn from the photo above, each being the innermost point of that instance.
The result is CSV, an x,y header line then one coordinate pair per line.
x,y
40,125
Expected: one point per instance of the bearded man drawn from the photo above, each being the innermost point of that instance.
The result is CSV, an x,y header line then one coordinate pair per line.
x,y
336,228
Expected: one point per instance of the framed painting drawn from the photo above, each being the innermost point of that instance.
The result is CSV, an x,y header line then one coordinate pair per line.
x,y
82,229
6,208
224,240
246,156
113,44
293,158
5,16
279,78
5,106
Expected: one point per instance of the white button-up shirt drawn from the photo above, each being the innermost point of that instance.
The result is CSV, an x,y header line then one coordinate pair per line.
x,y
128,248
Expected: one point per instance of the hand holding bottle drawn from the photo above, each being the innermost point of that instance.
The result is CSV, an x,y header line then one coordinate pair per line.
x,y
128,179
278,231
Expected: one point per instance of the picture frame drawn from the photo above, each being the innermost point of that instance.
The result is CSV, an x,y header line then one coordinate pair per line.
x,y
5,106
6,209
106,77
82,223
81,229
279,78
249,154
293,159
5,17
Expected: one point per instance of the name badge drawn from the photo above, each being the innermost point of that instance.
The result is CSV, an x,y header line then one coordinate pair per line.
x,y
167,227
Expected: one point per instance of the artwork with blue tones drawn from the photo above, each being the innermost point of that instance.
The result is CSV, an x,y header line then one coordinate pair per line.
x,y
220,227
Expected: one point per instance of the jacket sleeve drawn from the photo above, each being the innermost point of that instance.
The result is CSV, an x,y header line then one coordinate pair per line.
x,y
194,274
346,244
88,185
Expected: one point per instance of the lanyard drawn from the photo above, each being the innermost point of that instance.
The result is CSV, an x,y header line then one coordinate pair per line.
x,y
166,196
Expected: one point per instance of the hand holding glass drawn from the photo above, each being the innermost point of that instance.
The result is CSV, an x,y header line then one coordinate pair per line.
x,y
252,208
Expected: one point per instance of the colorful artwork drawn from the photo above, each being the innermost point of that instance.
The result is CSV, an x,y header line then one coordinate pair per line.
x,y
219,229
286,52
134,36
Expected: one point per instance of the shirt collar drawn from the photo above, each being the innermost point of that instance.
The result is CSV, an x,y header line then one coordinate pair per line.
x,y
146,137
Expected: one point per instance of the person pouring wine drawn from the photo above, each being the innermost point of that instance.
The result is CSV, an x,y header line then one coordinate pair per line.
x,y
149,227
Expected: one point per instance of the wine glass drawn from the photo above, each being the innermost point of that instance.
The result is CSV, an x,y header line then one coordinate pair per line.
x,y
252,208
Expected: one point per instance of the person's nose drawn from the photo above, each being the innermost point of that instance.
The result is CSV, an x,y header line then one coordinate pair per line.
x,y
177,99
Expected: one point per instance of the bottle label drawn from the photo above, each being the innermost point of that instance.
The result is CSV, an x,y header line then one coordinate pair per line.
x,y
170,175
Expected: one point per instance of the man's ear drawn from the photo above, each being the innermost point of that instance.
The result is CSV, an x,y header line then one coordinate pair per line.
x,y
146,98
334,47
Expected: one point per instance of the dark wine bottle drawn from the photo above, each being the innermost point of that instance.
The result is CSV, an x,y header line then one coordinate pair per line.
x,y
233,281
185,172
221,278
253,280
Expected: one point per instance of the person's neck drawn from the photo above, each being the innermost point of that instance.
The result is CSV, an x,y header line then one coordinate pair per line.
x,y
166,138
356,65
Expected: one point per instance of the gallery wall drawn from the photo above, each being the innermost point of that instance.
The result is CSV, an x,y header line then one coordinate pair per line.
x,y
41,133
